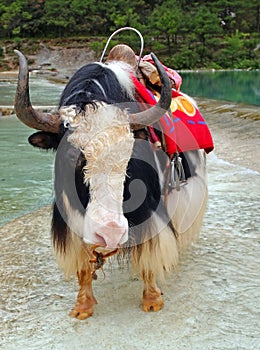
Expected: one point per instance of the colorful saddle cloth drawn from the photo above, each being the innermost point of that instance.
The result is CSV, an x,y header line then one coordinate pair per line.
x,y
184,128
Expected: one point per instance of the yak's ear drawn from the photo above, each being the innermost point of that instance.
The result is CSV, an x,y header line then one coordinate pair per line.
x,y
45,140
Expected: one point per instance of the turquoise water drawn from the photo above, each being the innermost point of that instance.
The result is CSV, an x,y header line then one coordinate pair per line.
x,y
235,86
25,172
42,91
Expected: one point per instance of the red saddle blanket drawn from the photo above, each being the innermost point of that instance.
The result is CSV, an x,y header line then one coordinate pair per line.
x,y
184,128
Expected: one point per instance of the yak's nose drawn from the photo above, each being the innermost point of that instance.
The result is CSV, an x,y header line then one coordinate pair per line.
x,y
113,234
110,234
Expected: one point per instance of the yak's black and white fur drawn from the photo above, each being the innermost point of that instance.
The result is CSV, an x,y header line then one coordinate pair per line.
x,y
153,227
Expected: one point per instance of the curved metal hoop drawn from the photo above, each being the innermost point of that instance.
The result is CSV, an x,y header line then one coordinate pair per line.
x,y
118,31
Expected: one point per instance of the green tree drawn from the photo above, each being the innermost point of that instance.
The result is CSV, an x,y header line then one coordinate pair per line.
x,y
125,13
13,16
34,27
238,15
165,22
205,25
58,16
90,16
217,33
231,52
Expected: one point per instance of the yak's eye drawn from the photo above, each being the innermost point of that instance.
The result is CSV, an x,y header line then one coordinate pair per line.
x,y
66,124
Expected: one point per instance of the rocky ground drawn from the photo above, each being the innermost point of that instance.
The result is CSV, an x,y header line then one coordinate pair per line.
x,y
51,54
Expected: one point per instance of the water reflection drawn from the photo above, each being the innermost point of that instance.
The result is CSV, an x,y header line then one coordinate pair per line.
x,y
237,86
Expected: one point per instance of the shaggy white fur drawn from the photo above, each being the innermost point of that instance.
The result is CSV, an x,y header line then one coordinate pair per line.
x,y
103,135
123,73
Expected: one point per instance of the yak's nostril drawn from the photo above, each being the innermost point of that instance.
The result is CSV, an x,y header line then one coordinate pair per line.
x,y
108,228
112,233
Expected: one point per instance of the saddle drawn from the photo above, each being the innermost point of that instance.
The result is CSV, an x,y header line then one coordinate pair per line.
x,y
180,129
183,126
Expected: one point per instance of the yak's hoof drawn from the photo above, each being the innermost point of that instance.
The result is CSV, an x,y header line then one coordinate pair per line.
x,y
83,309
152,304
81,312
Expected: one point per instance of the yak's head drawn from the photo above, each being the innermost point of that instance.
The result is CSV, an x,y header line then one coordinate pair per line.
x,y
93,135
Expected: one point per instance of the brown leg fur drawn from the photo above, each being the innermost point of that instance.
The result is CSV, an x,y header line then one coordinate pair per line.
x,y
152,295
84,306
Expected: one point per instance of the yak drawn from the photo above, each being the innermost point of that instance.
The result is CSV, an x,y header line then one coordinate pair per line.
x,y
112,187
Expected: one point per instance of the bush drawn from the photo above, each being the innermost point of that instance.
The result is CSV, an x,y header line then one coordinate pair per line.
x,y
214,65
17,42
186,59
247,64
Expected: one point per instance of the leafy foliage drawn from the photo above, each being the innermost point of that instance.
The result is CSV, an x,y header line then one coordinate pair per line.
x,y
187,34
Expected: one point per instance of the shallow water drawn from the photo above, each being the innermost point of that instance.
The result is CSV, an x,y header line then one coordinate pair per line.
x,y
43,92
212,303
236,86
25,172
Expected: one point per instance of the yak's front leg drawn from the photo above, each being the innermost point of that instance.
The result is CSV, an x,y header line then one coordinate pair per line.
x,y
152,295
84,306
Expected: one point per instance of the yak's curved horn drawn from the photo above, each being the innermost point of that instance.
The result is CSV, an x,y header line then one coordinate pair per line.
x,y
22,104
153,114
